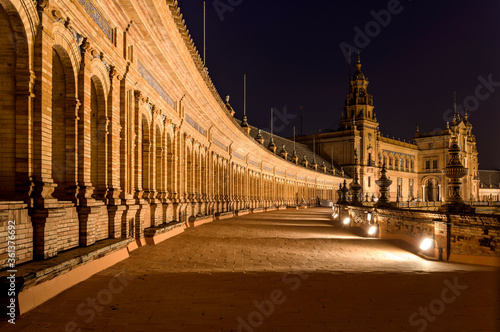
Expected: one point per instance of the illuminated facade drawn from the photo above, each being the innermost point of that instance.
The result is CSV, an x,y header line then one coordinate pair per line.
x,y
111,126
414,168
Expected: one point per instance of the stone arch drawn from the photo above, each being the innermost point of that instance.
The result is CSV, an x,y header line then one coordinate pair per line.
x,y
203,170
196,169
65,43
16,42
397,162
98,137
100,71
170,150
189,167
146,140
160,150
385,159
64,126
431,188
24,17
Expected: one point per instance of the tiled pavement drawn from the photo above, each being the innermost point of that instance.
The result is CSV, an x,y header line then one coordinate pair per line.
x,y
321,277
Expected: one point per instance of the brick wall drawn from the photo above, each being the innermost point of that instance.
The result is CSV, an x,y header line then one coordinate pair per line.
x,y
18,212
467,238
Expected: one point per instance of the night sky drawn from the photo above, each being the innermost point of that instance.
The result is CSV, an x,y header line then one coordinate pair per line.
x,y
290,51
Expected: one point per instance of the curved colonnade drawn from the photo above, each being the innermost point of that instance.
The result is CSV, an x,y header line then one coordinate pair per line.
x,y
111,125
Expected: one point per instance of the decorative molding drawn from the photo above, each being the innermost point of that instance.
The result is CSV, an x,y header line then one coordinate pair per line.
x,y
155,85
196,126
251,162
98,18
219,144
239,156
398,153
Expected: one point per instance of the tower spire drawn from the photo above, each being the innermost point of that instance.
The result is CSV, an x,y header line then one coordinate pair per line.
x,y
358,103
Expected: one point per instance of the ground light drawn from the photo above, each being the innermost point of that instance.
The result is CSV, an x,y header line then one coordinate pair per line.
x,y
426,244
372,230
335,215
347,221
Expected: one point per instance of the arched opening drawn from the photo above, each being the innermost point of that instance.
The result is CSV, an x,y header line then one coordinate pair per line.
x,y
189,170
160,170
170,165
432,189
63,124
146,146
196,172
97,139
8,102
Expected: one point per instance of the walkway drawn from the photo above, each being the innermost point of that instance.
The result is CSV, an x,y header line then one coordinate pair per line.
x,y
289,270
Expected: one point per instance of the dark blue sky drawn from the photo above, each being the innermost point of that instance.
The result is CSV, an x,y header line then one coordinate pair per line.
x,y
290,51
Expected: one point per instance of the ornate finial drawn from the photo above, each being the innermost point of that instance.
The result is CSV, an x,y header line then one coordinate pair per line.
x,y
228,97
418,129
272,147
447,125
356,189
244,123
259,137
384,184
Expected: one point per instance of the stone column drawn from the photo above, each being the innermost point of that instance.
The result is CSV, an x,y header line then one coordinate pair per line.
x,y
115,209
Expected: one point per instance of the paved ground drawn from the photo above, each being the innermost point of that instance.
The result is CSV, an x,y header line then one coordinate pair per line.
x,y
290,270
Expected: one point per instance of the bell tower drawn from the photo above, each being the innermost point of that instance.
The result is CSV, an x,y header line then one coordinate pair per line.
x,y
361,131
358,103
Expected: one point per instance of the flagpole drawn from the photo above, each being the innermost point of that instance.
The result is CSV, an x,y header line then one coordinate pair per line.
x,y
272,122
349,78
293,138
244,94
204,32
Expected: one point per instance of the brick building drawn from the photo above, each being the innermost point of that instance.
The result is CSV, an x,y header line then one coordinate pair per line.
x,y
415,168
110,125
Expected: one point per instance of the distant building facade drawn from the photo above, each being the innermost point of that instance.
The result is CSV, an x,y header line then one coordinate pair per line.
x,y
414,168
489,189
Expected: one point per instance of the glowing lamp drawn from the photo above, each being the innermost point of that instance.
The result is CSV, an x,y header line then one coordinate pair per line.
x,y
426,244
372,230
347,221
